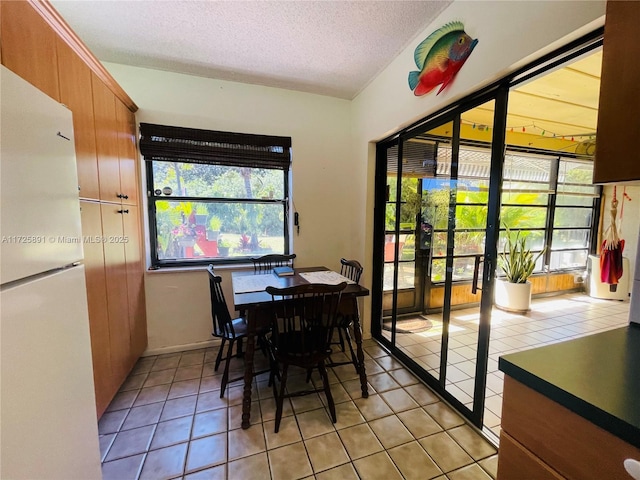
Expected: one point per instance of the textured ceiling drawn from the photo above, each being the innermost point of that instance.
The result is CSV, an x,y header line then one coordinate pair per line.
x,y
330,48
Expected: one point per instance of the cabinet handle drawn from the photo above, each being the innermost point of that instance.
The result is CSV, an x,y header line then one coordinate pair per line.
x,y
122,195
126,197
119,195
123,211
633,468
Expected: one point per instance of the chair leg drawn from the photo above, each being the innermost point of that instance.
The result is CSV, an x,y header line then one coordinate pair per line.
x,y
240,353
354,358
327,391
280,397
225,375
219,357
341,339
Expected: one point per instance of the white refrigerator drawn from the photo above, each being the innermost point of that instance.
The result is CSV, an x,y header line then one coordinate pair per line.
x,y
48,424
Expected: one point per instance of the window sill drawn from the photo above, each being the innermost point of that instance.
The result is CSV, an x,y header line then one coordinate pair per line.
x,y
197,268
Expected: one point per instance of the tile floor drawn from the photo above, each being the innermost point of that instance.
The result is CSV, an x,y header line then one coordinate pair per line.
x,y
168,422
551,320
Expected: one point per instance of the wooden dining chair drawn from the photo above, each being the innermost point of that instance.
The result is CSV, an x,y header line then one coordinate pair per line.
x,y
267,262
228,329
304,320
351,269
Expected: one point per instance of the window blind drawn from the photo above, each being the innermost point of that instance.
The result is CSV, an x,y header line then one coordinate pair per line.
x,y
191,145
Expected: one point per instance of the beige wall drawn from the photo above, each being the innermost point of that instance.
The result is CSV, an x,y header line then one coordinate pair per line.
x,y
333,153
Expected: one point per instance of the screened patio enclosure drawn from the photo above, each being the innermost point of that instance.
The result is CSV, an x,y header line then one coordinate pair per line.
x,y
448,189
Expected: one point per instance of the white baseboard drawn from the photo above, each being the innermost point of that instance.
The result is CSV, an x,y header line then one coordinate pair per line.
x,y
182,348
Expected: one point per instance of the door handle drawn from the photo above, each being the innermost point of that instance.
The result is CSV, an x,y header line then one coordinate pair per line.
x,y
476,271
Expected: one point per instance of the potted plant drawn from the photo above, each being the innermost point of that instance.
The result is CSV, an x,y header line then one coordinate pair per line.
x,y
214,228
513,293
185,235
201,214
223,246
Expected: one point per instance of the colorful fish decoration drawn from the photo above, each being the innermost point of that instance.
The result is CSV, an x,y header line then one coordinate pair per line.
x,y
440,57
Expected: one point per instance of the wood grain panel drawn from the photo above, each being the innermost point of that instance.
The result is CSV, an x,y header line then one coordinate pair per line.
x,y
127,153
106,125
460,295
516,463
75,93
135,282
617,157
117,292
29,46
97,300
571,445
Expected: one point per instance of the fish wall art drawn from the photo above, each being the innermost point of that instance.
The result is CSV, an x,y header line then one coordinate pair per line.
x,y
440,57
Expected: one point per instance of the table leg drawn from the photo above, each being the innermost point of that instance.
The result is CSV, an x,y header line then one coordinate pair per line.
x,y
248,371
357,333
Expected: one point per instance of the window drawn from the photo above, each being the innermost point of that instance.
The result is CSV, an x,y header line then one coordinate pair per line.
x,y
215,197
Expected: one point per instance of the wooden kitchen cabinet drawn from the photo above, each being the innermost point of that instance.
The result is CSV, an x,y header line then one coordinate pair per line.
x,y
617,154
554,442
29,47
37,44
76,93
96,281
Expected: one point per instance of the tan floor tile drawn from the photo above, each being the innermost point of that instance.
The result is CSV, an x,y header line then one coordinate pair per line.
x,y
141,416
268,409
382,382
164,463
210,401
399,400
208,423
377,467
389,363
371,367
347,415
243,443
152,395
172,432
191,358
490,465
254,467
290,462
404,377
345,372
444,415
373,407
179,407
210,383
419,423
360,441
445,451
122,400
143,365
287,434
124,469
338,393
188,373
422,394
134,382
343,472
314,423
160,377
473,443
131,442
354,388
375,350
105,442
413,462
390,431
306,403
326,451
215,473
164,362
207,452
472,472
111,422
235,415
184,388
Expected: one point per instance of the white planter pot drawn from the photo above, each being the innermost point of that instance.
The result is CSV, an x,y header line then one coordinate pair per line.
x,y
513,297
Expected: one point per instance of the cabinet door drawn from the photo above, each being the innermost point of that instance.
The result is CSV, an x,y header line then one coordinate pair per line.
x,y
96,282
127,153
75,93
106,125
117,294
29,46
617,157
135,282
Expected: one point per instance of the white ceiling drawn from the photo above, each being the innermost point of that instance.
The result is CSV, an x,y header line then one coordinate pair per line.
x,y
327,47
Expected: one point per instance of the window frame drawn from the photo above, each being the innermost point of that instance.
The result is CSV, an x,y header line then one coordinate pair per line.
x,y
219,141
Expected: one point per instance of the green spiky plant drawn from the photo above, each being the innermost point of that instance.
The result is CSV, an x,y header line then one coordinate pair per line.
x,y
516,260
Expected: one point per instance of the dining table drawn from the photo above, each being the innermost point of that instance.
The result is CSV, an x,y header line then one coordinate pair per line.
x,y
250,296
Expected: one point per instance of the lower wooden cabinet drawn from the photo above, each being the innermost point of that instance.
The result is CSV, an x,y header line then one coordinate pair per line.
x,y
544,440
115,291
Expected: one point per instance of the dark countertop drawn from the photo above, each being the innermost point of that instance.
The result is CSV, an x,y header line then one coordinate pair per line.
x,y
596,377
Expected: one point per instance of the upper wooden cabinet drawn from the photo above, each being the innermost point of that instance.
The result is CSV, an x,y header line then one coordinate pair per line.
x,y
617,152
75,93
29,47
127,154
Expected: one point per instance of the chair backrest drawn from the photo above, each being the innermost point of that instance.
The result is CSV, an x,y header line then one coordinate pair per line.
x,y
222,324
267,262
304,318
351,269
